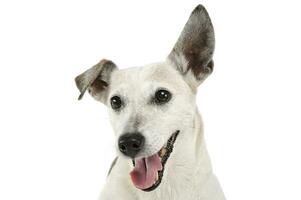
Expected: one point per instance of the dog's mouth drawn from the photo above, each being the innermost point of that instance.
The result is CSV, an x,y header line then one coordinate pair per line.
x,y
148,172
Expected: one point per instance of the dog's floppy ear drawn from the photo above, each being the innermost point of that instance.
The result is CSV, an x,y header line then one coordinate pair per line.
x,y
96,80
192,54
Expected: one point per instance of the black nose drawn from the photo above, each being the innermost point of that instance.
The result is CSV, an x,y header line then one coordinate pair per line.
x,y
131,143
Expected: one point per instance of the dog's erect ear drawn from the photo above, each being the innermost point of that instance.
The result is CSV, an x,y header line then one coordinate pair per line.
x,y
192,54
96,80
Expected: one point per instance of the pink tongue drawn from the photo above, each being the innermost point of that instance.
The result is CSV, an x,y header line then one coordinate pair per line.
x,y
145,172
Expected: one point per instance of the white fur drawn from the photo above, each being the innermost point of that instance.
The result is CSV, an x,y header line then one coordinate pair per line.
x,y
188,174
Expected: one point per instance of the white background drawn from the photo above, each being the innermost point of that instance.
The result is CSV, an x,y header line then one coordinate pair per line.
x,y
55,147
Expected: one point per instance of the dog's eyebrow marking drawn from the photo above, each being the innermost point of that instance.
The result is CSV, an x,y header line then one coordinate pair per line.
x,y
112,165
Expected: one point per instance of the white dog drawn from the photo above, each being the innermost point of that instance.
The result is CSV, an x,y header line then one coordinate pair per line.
x,y
161,149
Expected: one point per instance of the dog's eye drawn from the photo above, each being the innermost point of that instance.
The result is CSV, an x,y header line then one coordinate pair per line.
x,y
116,102
162,96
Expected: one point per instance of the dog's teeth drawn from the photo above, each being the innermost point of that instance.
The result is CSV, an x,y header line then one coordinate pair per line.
x,y
162,152
157,177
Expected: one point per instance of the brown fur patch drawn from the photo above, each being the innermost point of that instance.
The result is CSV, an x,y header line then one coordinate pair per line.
x,y
96,79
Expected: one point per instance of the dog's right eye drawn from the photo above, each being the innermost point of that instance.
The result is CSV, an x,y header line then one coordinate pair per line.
x,y
162,96
116,102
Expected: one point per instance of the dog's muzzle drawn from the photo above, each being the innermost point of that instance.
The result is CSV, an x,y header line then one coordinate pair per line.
x,y
148,171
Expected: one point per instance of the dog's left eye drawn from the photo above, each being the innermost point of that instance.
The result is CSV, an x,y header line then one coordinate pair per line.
x,y
162,96
116,102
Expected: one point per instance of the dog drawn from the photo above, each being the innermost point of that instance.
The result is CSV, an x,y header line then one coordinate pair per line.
x,y
153,112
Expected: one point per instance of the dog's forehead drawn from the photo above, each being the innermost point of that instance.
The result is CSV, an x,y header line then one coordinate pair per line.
x,y
156,75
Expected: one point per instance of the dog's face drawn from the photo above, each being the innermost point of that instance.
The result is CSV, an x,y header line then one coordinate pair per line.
x,y
153,101
150,105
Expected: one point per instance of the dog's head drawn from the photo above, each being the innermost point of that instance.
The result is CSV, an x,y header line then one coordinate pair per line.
x,y
150,105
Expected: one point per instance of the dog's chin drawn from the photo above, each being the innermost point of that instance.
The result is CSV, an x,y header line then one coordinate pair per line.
x,y
148,171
